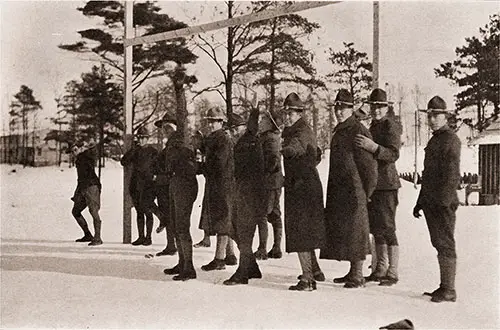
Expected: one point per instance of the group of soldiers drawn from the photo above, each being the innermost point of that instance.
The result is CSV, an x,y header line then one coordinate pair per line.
x,y
242,165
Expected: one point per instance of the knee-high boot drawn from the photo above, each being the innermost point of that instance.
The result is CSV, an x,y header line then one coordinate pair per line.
x,y
356,279
275,252
187,270
380,269
392,272
447,270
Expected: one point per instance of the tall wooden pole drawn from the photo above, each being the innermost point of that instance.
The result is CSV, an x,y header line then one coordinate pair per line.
x,y
375,43
127,106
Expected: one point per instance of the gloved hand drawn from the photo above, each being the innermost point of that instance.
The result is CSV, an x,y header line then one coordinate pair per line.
x,y
416,211
363,142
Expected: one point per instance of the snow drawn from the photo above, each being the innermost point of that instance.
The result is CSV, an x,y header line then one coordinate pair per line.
x,y
49,281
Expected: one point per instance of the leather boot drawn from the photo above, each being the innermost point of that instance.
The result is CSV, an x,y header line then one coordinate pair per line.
x,y
275,252
356,279
187,272
303,286
447,270
87,236
380,269
392,272
216,264
241,274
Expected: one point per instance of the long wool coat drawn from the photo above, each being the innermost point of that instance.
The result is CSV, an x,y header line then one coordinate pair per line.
x,y
219,186
250,202
304,217
351,181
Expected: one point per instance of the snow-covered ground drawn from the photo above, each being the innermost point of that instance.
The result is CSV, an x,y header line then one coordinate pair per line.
x,y
49,281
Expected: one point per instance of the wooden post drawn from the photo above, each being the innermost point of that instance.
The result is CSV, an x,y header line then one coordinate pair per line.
x,y
375,43
127,106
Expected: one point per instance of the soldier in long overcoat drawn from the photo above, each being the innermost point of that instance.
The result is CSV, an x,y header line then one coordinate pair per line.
x,y
438,195
351,181
162,183
219,173
386,133
142,189
304,217
249,199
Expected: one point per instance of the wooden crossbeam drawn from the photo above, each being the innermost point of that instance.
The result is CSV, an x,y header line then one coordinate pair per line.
x,y
240,20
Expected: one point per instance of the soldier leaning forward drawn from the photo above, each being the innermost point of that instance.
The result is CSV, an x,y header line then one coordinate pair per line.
x,y
351,181
141,188
87,193
386,133
249,199
181,167
438,195
304,217
218,197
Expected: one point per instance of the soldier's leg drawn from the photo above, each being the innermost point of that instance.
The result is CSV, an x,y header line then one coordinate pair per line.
x,y
377,209
306,283
220,254
177,268
442,238
78,206
149,228
356,279
140,226
93,199
261,253
274,218
167,221
230,259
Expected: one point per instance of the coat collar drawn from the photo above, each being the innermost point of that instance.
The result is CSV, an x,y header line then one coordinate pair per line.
x,y
443,129
296,127
349,122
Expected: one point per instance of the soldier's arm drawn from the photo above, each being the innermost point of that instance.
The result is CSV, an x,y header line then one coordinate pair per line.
x,y
293,148
272,157
222,155
367,167
451,164
389,152
129,156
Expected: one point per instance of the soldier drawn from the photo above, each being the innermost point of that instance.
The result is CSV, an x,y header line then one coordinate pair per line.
x,y
438,195
249,199
217,200
270,139
181,168
87,193
304,217
169,126
385,147
142,189
351,181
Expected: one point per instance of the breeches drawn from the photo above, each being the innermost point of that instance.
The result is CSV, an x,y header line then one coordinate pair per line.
x,y
183,193
382,214
441,223
89,197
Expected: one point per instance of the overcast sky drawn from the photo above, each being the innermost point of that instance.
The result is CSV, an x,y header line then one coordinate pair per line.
x,y
415,37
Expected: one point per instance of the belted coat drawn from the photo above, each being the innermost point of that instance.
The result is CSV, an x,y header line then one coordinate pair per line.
x,y
352,178
304,217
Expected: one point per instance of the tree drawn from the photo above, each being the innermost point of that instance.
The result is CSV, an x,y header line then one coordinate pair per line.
x,y
352,70
24,105
152,60
476,70
280,56
97,107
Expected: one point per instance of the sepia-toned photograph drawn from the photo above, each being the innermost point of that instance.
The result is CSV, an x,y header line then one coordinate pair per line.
x,y
249,164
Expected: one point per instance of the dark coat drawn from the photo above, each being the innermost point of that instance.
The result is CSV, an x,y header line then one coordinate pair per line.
x,y
141,186
351,181
271,143
304,217
441,174
250,203
219,174
387,134
85,164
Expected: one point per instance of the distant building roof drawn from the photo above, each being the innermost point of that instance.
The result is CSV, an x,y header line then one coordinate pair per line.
x,y
491,135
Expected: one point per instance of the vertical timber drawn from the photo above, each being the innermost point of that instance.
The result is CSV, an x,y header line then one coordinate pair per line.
x,y
127,106
375,44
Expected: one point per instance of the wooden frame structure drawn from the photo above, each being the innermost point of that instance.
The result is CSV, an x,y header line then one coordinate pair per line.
x,y
130,41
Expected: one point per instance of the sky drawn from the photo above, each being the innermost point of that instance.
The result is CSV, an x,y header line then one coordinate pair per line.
x,y
415,37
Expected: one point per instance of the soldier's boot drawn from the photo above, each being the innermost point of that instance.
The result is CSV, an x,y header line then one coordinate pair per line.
x,y
392,272
241,274
318,275
87,235
304,286
356,279
344,278
230,258
275,252
140,229
179,268
149,230
380,269
220,254
205,242
447,270
188,272
261,253
97,235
